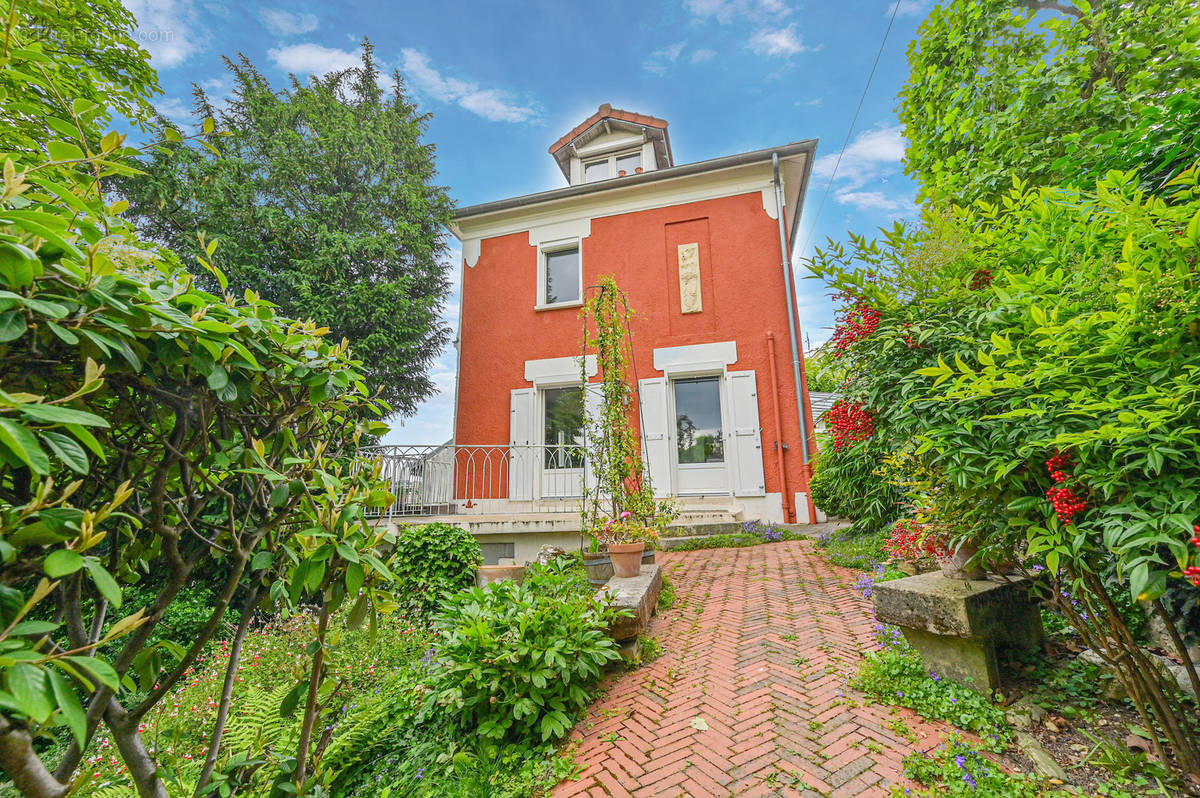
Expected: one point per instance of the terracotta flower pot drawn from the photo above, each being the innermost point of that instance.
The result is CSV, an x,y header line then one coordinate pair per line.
x,y
954,565
626,558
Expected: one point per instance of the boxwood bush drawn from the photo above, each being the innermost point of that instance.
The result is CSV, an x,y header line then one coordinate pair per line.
x,y
433,560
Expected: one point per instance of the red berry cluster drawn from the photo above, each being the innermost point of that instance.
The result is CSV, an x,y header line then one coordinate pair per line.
x,y
850,423
1192,572
981,279
855,323
909,540
1067,504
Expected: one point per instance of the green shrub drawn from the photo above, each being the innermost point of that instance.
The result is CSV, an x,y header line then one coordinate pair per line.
x,y
956,769
432,560
517,661
848,549
846,484
896,676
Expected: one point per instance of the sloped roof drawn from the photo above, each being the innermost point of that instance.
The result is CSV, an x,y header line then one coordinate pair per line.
x,y
607,119
606,111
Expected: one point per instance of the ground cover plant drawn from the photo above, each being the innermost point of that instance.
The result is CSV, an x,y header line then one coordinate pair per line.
x,y
752,533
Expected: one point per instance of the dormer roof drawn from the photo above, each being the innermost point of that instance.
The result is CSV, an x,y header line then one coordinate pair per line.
x,y
610,120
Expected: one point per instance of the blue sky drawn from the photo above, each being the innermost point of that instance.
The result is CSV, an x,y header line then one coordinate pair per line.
x,y
505,78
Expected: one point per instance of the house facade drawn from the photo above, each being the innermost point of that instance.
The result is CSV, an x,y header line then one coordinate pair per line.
x,y
701,251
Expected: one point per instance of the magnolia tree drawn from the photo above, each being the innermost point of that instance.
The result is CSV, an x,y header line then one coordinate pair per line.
x,y
150,431
1033,367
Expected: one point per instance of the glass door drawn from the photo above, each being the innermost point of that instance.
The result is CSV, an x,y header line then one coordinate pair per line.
x,y
562,438
699,437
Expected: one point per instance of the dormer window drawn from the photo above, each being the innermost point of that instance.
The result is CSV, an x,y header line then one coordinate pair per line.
x,y
595,170
614,165
629,163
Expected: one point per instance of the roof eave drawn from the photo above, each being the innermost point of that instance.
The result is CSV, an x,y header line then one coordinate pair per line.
x,y
807,147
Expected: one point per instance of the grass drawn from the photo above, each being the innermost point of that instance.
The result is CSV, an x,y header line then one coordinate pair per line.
x,y
752,533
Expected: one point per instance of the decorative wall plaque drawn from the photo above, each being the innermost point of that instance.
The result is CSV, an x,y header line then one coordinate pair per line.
x,y
689,278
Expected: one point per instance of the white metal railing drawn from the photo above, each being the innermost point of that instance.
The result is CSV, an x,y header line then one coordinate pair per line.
x,y
438,480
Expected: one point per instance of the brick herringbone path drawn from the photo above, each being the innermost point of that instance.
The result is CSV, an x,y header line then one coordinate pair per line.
x,y
749,697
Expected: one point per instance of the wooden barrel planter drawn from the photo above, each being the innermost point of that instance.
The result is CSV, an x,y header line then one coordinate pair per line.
x,y
599,566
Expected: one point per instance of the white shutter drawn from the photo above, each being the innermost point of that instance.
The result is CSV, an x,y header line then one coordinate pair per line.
x,y
746,436
521,451
593,404
656,437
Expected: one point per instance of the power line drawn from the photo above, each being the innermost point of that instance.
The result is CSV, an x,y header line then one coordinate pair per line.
x,y
812,229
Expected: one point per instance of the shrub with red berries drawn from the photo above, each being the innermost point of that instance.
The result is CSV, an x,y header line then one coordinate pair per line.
x,y
908,540
981,279
1192,572
1067,503
854,323
850,424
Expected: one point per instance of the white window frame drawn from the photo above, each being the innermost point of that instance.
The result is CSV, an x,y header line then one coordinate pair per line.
x,y
688,372
611,158
549,248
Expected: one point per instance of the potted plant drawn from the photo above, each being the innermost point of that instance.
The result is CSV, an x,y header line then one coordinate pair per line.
x,y
913,541
625,538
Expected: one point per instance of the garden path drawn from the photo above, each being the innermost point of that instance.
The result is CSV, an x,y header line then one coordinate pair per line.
x,y
750,695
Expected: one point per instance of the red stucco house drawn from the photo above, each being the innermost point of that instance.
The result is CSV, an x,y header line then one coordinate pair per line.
x,y
702,251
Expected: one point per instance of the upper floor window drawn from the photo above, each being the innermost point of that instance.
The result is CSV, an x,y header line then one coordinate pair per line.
x,y
561,276
595,170
614,165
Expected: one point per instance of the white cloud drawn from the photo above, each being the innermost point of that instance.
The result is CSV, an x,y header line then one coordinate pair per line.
x,y
725,11
872,200
909,8
780,41
287,23
872,155
702,55
871,159
491,104
313,59
661,59
814,101
168,29
174,109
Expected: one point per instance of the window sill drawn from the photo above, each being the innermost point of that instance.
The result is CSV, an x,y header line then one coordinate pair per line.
x,y
576,304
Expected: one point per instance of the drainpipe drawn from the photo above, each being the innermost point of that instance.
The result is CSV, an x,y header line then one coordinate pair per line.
x,y
786,265
779,444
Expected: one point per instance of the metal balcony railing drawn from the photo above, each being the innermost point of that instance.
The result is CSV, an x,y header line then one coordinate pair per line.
x,y
439,480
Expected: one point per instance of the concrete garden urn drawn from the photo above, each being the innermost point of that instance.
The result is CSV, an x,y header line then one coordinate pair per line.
x,y
626,558
490,574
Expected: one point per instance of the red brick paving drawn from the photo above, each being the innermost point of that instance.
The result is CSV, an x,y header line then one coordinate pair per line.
x,y
759,647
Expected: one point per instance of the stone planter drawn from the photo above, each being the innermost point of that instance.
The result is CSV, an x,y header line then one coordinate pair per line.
x,y
954,565
626,558
490,574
